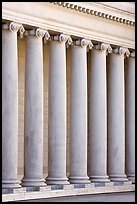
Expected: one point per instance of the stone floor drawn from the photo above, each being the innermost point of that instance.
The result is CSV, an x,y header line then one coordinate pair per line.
x,y
107,197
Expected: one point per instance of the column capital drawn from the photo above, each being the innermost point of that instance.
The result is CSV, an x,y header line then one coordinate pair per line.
x,y
62,38
46,36
69,42
83,43
122,51
103,47
14,27
132,53
38,32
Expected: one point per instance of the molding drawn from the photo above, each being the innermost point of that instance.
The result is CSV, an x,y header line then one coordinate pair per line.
x,y
69,22
94,12
127,7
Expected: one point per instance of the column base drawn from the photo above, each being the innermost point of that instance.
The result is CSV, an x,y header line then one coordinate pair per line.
x,y
7,184
33,182
54,181
79,180
99,179
118,178
131,177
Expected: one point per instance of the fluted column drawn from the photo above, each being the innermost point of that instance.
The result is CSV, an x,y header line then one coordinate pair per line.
x,y
130,116
78,112
10,104
116,115
33,138
57,111
98,114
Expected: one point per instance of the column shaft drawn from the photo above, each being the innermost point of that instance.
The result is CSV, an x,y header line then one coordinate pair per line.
x,y
33,141
116,118
130,118
57,114
98,117
9,109
78,116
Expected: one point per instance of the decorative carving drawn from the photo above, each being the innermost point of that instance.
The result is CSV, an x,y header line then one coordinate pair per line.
x,y
132,53
90,45
83,42
80,8
93,12
100,14
84,10
88,11
68,5
76,7
13,27
127,53
104,47
109,50
38,33
46,36
111,17
62,38
21,31
69,42
122,51
72,6
121,20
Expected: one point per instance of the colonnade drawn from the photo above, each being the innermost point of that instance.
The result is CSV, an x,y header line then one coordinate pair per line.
x,y
111,110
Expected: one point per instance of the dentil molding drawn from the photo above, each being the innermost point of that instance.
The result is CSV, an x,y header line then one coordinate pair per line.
x,y
86,20
94,12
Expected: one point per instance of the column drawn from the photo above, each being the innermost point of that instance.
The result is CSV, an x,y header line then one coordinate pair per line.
x,y
116,115
57,111
98,114
33,138
78,112
10,105
130,116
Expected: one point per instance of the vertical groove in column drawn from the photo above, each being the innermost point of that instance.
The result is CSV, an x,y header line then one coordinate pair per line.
x,y
33,141
9,106
116,116
130,116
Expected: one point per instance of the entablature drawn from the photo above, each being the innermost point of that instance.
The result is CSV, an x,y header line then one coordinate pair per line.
x,y
92,20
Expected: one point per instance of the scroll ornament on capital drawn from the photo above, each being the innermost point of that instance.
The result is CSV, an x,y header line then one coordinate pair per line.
x,y
14,27
83,43
132,54
104,47
39,33
62,38
122,51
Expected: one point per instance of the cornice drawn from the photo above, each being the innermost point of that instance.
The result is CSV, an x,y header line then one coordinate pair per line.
x,y
73,23
94,12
